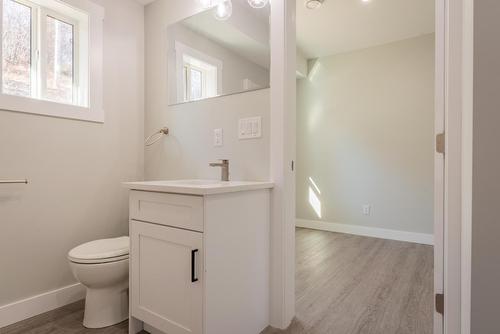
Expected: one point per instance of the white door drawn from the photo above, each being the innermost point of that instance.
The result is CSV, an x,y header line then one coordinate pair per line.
x,y
166,277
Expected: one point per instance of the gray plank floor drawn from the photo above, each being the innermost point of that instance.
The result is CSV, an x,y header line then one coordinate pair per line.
x,y
344,285
356,285
65,320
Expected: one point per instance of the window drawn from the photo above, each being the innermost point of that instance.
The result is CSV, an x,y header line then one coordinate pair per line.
x,y
38,53
60,83
200,79
46,64
16,45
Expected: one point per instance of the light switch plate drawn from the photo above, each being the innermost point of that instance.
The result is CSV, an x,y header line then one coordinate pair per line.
x,y
218,137
367,210
250,128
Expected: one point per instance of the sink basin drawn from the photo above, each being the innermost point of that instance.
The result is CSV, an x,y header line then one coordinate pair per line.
x,y
198,187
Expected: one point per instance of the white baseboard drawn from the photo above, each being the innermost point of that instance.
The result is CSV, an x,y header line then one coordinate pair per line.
x,y
382,233
32,306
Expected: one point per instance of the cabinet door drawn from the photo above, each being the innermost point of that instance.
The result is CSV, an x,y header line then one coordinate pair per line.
x,y
166,275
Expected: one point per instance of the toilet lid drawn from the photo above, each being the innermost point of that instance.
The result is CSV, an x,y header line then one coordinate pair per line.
x,y
105,249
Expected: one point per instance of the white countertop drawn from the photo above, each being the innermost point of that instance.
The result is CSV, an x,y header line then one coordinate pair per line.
x,y
197,187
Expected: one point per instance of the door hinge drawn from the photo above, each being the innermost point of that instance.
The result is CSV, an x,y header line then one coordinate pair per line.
x,y
440,303
440,143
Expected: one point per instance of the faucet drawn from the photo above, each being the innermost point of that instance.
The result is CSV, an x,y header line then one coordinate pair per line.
x,y
224,164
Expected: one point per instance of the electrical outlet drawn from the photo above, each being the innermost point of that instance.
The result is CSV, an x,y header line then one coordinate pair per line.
x,y
367,210
218,137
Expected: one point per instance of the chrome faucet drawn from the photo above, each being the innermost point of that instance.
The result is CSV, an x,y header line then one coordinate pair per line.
x,y
224,164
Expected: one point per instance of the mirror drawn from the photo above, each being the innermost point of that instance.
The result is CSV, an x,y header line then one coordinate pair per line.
x,y
209,57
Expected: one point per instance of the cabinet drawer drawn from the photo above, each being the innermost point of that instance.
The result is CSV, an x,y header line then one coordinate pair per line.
x,y
167,209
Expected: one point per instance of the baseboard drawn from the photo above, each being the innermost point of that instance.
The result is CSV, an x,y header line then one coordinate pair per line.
x,y
32,306
382,233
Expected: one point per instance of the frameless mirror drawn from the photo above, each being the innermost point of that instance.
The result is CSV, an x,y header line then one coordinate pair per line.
x,y
209,57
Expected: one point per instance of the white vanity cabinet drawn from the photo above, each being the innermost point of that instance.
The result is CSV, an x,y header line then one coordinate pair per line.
x,y
166,278
199,257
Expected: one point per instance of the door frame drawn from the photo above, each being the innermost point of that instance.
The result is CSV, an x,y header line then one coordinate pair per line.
x,y
454,41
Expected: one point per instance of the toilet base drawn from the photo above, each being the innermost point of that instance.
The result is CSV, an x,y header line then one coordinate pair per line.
x,y
106,306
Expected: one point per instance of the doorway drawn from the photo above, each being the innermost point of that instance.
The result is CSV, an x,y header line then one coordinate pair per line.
x,y
365,166
454,64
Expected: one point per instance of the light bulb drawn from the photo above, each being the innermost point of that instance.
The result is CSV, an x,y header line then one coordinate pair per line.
x,y
258,3
206,3
224,10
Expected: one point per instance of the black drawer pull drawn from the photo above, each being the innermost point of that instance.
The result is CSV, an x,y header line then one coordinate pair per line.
x,y
193,266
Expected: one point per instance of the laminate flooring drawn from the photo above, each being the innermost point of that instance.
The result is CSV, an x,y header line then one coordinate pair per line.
x,y
345,284
349,284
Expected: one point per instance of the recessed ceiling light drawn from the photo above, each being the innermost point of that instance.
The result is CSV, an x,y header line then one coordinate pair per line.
x,y
314,4
366,1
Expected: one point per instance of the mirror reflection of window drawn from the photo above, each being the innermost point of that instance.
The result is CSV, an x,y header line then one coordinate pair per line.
x,y
199,79
208,57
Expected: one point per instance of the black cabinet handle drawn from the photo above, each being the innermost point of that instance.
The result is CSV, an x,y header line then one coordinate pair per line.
x,y
193,266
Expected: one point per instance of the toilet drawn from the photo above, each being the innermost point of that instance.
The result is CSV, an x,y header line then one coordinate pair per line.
x,y
102,267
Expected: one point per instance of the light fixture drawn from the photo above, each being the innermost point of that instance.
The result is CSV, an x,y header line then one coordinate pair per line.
x,y
206,3
314,4
258,3
223,10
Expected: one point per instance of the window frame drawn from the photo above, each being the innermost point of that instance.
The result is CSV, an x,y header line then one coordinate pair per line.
x,y
188,68
87,20
182,51
77,90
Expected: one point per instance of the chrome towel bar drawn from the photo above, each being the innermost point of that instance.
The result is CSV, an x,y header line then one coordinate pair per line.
x,y
13,181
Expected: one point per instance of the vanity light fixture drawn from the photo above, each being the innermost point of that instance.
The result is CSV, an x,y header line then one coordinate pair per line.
x,y
223,10
314,4
258,3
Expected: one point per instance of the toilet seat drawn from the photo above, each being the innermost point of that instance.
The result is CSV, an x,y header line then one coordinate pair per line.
x,y
101,251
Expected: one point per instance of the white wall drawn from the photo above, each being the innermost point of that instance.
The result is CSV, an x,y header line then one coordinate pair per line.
x,y
302,67
75,168
365,136
189,148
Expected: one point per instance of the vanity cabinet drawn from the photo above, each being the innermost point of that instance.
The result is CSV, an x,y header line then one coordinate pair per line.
x,y
199,259
166,277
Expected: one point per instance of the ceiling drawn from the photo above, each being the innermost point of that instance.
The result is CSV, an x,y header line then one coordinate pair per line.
x,y
346,25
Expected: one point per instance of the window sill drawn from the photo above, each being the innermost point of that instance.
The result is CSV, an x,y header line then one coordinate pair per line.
x,y
51,109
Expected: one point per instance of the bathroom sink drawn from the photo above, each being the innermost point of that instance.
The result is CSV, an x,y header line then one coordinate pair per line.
x,y
198,187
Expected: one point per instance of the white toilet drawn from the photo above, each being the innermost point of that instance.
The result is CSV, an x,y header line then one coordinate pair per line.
x,y
102,267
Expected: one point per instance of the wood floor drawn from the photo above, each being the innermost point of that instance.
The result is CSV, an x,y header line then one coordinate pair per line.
x,y
344,285
357,285
66,320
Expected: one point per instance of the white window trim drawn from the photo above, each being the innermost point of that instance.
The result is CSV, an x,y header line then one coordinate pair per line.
x,y
209,80
94,112
181,50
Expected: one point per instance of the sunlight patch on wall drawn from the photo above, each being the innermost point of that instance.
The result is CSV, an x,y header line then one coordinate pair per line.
x,y
314,200
315,185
